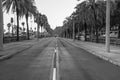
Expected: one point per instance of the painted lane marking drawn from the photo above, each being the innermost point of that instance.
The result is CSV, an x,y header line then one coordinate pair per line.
x,y
54,66
54,73
57,64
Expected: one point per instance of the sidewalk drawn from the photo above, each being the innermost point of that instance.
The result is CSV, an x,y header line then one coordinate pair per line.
x,y
13,48
98,49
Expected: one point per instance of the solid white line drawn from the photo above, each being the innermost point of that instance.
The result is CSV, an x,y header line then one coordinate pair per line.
x,y
55,71
54,74
57,64
55,50
51,74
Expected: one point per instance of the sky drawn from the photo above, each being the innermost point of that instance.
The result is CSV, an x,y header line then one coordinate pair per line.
x,y
55,10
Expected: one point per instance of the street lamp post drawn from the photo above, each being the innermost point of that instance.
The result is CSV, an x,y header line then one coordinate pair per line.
x,y
108,26
1,26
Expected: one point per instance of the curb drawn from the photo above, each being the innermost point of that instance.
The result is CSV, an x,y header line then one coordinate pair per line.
x,y
13,54
98,55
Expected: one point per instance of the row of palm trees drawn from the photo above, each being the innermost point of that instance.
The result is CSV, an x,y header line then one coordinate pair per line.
x,y
22,8
90,17
25,8
41,20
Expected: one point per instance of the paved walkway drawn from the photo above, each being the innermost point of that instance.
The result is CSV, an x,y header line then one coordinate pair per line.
x,y
11,49
98,49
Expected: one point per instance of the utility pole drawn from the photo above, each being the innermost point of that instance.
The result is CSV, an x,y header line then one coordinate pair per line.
x,y
1,26
108,26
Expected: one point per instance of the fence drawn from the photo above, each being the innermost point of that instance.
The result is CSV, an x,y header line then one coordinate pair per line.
x,y
115,41
13,39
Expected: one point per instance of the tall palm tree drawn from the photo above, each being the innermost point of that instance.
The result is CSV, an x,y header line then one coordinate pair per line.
x,y
41,20
37,19
21,7
1,26
85,15
91,13
29,10
15,5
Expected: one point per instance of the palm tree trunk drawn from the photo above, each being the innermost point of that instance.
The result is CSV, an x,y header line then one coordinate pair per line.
x,y
12,25
12,30
27,26
78,32
90,32
85,32
1,26
97,35
41,32
37,32
119,31
96,27
66,34
73,31
17,12
108,26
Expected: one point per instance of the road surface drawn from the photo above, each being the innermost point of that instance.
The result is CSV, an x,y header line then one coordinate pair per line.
x,y
74,63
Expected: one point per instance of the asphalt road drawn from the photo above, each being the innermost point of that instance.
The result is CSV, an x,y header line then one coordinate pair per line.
x,y
74,63
32,64
78,64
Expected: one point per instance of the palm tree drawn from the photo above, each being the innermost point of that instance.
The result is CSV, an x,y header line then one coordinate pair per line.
x,y
1,26
85,16
91,13
116,16
28,11
43,21
21,7
38,21
16,6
